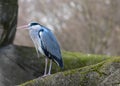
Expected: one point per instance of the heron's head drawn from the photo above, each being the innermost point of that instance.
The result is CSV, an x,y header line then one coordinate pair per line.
x,y
33,25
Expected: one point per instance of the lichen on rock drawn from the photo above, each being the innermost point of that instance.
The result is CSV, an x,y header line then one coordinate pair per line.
x,y
106,73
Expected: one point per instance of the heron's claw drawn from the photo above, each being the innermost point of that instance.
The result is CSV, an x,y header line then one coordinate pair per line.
x,y
46,75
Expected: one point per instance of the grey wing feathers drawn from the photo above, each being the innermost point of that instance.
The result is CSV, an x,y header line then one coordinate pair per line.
x,y
50,43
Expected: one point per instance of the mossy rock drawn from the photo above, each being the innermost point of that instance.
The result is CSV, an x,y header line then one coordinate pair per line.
x,y
19,64
105,73
71,60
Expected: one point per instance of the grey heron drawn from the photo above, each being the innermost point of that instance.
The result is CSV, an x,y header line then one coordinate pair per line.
x,y
46,43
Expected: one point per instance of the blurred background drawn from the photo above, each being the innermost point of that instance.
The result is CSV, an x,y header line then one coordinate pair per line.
x,y
87,26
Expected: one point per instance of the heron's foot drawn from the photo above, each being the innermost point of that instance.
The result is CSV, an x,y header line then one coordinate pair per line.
x,y
49,74
46,75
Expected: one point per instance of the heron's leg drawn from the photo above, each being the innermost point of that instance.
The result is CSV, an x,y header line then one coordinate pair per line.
x,y
49,72
46,62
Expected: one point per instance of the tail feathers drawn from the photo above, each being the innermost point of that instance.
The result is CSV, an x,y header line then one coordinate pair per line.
x,y
59,62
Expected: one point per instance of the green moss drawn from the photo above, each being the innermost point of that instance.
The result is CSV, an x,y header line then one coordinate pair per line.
x,y
77,63
86,69
91,68
69,72
30,83
76,60
98,68
71,60
82,74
